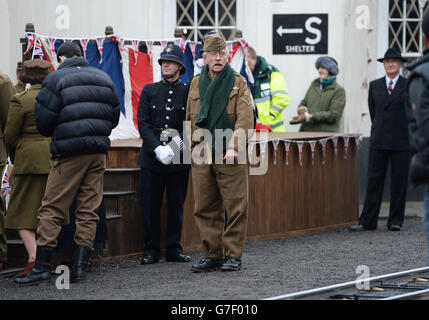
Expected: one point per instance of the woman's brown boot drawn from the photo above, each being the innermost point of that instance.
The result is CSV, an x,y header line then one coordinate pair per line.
x,y
27,269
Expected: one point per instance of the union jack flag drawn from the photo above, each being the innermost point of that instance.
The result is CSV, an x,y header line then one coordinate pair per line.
x,y
5,189
31,37
5,181
38,49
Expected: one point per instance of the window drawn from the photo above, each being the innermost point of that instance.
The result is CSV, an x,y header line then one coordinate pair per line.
x,y
196,17
405,30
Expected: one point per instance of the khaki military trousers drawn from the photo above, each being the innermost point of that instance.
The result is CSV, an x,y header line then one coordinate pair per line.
x,y
3,239
79,177
220,187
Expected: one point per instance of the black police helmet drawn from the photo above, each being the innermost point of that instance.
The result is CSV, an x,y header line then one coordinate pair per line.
x,y
172,52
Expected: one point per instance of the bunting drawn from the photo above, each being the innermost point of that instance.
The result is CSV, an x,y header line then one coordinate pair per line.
x,y
84,43
335,141
51,42
130,69
300,145
100,41
149,46
287,148
323,142
313,149
346,145
135,45
276,146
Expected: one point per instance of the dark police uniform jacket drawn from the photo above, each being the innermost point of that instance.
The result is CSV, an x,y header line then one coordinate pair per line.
x,y
162,106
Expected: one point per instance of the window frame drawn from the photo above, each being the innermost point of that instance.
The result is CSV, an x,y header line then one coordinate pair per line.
x,y
404,20
195,27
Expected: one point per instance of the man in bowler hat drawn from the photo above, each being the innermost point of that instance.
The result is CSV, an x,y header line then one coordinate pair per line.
x,y
387,101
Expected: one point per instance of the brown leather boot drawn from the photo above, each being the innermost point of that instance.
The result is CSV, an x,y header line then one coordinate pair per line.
x,y
27,269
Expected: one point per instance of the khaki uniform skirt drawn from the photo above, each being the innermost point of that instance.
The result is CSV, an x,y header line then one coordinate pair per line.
x,y
25,200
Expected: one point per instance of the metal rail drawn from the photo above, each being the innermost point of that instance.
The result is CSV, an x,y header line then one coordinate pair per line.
x,y
351,284
408,295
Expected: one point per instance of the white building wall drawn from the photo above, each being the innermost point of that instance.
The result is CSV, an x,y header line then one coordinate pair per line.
x,y
140,19
350,45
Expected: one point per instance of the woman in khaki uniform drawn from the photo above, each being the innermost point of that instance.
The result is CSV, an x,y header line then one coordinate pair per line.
x,y
29,152
6,91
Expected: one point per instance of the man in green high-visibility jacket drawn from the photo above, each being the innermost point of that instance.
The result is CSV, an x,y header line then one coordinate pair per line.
x,y
269,91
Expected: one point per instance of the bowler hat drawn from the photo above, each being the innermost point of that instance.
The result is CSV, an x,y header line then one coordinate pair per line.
x,y
172,52
392,53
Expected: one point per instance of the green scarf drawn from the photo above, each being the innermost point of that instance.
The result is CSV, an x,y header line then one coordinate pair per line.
x,y
327,82
214,96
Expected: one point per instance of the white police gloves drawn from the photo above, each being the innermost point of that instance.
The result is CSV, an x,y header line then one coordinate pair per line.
x,y
164,154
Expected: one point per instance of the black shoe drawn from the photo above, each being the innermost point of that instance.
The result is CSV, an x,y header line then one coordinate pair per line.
x,y
358,228
207,265
394,227
41,271
80,263
231,264
180,257
149,259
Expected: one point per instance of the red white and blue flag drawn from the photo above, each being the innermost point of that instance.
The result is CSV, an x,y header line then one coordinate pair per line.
x,y
5,187
131,69
38,49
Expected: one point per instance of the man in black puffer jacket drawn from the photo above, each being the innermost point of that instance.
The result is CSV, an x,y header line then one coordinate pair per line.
x,y
78,106
418,89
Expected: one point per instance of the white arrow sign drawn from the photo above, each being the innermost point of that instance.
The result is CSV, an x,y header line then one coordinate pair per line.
x,y
280,31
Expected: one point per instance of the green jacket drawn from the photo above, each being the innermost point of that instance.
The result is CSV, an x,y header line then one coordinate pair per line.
x,y
325,105
7,90
271,96
28,149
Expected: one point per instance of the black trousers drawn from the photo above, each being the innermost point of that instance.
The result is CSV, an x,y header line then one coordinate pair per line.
x,y
377,168
152,186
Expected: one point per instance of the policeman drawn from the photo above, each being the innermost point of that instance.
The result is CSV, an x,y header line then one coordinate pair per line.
x,y
161,112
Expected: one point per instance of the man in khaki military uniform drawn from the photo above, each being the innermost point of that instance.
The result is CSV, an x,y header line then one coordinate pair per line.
x,y
219,99
6,91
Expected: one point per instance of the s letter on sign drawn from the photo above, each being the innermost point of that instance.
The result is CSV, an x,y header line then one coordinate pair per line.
x,y
300,34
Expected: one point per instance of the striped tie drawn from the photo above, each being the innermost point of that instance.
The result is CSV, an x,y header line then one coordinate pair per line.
x,y
390,89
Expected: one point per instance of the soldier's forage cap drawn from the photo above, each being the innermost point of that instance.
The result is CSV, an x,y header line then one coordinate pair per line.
x,y
214,42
